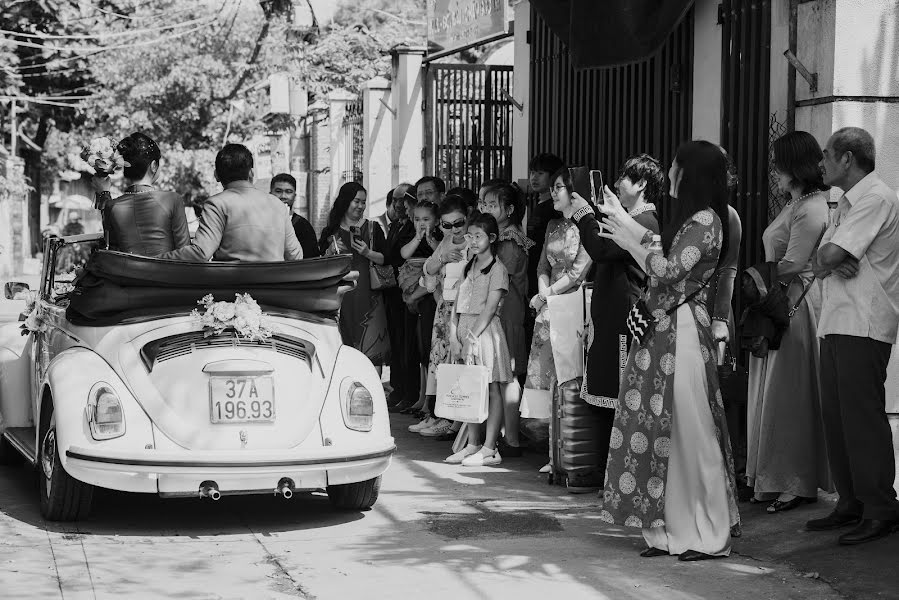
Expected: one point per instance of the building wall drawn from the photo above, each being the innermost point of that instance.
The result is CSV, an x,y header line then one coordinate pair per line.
x,y
521,84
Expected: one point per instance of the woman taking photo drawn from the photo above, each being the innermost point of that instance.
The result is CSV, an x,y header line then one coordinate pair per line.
x,y
670,470
617,284
144,220
363,317
787,460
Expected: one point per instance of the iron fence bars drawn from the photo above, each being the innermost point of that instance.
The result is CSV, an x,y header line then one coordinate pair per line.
x,y
745,118
354,142
599,117
469,123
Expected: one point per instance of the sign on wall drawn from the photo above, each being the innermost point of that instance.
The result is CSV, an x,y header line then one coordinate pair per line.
x,y
454,25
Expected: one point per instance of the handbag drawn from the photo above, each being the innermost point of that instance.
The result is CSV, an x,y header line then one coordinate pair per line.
x,y
382,276
462,393
732,378
639,320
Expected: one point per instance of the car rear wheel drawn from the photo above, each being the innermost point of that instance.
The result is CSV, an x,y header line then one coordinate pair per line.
x,y
355,496
63,498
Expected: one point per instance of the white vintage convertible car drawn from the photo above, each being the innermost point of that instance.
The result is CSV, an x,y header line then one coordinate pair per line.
x,y
115,384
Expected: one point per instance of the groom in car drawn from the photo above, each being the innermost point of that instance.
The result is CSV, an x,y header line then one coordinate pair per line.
x,y
241,223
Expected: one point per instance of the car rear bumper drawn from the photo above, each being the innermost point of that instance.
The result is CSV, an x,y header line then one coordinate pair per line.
x,y
181,473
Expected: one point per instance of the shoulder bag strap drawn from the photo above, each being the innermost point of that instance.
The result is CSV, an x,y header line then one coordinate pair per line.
x,y
809,285
692,295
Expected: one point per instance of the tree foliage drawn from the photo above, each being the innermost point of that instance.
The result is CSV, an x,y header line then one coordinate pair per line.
x,y
187,87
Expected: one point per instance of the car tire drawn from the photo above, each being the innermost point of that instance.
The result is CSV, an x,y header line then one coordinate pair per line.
x,y
63,498
355,496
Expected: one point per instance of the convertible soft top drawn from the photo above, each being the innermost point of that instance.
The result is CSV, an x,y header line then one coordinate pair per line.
x,y
116,287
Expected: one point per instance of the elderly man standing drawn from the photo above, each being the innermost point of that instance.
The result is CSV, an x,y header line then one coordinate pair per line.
x,y
858,259
240,223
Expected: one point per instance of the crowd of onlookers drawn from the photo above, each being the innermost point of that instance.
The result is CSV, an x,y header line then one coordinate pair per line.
x,y
475,269
653,417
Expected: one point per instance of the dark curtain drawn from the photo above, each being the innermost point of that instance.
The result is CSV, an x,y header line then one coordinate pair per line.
x,y
612,32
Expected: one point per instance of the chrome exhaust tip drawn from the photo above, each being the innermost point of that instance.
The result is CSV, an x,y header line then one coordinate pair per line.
x,y
285,488
210,489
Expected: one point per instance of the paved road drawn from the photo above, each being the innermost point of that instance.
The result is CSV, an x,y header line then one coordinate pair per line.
x,y
437,532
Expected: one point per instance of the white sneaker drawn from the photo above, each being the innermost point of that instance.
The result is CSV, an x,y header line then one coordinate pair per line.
x,y
458,457
439,428
483,458
548,467
423,424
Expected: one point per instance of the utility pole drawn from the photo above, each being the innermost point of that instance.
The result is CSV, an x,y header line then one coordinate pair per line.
x,y
13,130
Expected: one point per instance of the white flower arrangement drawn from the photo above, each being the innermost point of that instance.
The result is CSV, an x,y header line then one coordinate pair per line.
x,y
101,158
243,316
34,322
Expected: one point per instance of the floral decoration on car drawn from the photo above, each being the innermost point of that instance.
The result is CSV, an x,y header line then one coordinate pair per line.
x,y
243,316
101,157
34,321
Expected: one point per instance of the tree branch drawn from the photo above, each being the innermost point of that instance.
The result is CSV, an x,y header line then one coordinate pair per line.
x,y
255,54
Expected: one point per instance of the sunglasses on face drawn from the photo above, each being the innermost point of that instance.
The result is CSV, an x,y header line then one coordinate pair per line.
x,y
453,225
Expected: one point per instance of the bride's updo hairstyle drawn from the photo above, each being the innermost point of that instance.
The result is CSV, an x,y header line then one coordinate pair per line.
x,y
139,151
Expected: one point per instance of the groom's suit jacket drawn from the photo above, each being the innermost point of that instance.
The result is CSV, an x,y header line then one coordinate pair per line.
x,y
242,224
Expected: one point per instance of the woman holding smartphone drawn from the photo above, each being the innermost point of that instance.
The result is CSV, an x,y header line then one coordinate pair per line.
x,y
363,316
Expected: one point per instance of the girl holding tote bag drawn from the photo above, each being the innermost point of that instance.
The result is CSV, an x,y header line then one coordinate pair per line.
x,y
476,335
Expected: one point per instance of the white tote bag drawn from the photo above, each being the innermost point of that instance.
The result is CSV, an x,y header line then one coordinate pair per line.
x,y
462,393
567,316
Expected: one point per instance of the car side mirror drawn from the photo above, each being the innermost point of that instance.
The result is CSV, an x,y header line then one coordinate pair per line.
x,y
13,290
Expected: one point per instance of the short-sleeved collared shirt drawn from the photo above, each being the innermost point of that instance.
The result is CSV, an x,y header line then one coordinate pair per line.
x,y
477,285
866,225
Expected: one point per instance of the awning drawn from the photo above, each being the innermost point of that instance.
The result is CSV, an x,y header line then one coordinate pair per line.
x,y
612,32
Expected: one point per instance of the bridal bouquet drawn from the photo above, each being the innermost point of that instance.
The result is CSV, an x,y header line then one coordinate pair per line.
x,y
102,158
243,315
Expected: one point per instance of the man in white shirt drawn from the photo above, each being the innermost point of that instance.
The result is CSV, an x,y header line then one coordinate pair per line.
x,y
858,260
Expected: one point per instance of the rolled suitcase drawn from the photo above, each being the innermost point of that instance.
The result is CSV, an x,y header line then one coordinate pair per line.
x,y
577,462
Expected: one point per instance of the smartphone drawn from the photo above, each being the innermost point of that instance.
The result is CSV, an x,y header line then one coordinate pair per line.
x,y
596,186
354,233
580,180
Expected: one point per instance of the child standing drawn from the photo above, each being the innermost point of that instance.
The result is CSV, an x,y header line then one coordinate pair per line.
x,y
505,202
417,299
477,337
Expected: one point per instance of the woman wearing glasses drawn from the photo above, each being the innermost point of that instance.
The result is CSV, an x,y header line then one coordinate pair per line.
x,y
563,265
443,272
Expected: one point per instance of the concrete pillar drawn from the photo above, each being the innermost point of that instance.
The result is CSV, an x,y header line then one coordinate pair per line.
x,y
852,45
377,127
706,72
337,103
407,158
779,98
521,85
319,165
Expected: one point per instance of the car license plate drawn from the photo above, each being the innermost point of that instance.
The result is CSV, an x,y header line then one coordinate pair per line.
x,y
241,399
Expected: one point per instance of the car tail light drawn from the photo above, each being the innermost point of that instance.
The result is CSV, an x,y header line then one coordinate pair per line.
x,y
104,413
358,407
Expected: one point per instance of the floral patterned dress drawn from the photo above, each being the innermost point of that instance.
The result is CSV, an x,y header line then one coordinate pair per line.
x,y
563,254
445,286
651,399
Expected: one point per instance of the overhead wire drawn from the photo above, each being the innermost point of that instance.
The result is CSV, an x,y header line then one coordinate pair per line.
x,y
203,21
50,36
116,47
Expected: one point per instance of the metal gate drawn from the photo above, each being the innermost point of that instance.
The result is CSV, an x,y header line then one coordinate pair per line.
x,y
599,117
746,85
354,144
469,123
